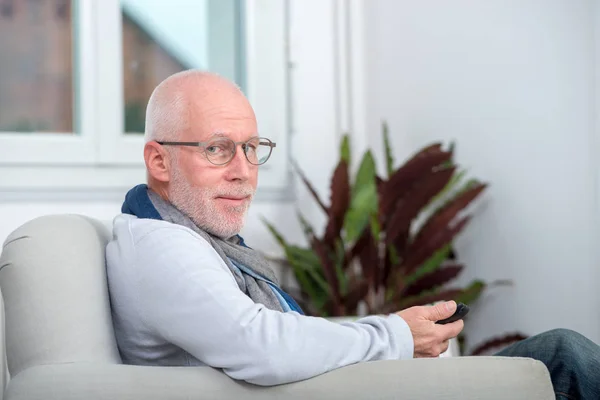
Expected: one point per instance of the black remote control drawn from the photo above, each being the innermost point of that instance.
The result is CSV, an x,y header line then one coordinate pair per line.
x,y
461,311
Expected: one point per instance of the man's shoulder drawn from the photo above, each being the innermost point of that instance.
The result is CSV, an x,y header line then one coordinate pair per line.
x,y
137,230
156,244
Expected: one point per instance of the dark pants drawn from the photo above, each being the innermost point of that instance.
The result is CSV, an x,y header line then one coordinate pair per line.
x,y
572,359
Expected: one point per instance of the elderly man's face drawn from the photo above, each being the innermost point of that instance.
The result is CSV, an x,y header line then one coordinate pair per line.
x,y
215,197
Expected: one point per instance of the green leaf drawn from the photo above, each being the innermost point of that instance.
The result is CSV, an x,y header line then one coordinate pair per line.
x,y
363,202
394,257
431,264
365,176
306,258
363,205
345,149
306,267
471,293
308,230
389,158
308,273
308,261
304,282
307,283
340,253
452,147
278,236
375,226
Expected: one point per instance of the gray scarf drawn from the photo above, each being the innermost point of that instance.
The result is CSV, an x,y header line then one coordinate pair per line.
x,y
250,263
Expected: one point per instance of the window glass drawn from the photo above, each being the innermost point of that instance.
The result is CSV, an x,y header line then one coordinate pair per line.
x,y
36,68
162,37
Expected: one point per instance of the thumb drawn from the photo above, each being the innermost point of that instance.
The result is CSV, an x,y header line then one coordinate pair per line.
x,y
442,310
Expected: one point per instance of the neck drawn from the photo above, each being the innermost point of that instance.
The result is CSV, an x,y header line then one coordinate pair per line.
x,y
158,188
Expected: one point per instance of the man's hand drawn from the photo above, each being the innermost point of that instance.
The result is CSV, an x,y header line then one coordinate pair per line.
x,y
430,339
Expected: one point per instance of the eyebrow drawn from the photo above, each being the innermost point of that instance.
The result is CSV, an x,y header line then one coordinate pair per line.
x,y
223,134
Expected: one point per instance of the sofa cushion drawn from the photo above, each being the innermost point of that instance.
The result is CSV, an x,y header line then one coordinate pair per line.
x,y
433,379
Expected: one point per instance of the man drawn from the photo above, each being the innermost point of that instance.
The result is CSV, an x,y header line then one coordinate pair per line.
x,y
185,289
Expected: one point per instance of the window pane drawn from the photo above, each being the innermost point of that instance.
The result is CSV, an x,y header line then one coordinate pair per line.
x,y
36,74
162,37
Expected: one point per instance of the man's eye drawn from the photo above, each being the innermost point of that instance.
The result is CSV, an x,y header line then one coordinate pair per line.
x,y
214,149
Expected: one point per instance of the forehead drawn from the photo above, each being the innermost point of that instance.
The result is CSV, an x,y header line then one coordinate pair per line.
x,y
234,119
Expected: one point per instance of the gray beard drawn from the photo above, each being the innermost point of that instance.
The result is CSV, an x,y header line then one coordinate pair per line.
x,y
200,206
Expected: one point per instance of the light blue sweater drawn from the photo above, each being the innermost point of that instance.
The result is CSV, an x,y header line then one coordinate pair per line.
x,y
176,303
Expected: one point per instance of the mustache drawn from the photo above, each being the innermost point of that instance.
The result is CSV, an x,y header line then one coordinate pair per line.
x,y
241,191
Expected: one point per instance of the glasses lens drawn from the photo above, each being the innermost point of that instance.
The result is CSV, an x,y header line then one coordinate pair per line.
x,y
219,151
258,150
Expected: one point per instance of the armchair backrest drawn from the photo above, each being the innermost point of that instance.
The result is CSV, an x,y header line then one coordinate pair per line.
x,y
53,281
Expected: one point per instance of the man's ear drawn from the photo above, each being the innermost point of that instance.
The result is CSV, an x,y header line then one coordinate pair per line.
x,y
157,161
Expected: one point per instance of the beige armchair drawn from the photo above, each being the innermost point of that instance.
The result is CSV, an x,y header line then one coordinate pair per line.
x,y
57,338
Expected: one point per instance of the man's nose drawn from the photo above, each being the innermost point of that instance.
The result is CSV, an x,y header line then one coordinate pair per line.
x,y
238,168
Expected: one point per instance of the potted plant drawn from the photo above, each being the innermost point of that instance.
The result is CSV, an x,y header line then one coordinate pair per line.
x,y
388,241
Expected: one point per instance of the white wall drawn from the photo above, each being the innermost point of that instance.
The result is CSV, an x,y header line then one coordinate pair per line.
x,y
512,81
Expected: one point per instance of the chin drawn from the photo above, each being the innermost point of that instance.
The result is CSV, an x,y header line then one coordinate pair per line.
x,y
227,228
233,213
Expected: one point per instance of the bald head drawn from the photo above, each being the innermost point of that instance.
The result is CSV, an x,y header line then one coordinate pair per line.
x,y
173,102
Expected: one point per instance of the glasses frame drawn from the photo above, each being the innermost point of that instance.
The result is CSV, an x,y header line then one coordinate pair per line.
x,y
269,143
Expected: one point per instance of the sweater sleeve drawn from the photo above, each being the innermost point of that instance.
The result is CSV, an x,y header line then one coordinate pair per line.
x,y
188,297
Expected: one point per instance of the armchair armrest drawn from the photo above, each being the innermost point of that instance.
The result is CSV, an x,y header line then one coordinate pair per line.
x,y
435,379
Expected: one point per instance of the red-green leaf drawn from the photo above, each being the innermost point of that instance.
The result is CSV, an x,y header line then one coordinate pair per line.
x,y
448,212
369,261
433,280
358,246
328,270
379,182
391,274
355,295
420,252
401,244
340,200
408,209
412,171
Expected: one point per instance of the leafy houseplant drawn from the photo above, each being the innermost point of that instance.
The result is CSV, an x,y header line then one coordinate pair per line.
x,y
388,241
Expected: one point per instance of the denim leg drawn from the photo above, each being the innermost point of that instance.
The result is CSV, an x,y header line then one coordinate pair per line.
x,y
572,359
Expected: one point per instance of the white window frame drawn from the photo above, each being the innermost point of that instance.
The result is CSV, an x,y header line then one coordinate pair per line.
x,y
101,160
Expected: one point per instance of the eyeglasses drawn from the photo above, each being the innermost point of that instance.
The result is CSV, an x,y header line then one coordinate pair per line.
x,y
221,150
